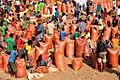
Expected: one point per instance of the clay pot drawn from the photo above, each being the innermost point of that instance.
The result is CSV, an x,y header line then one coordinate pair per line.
x,y
77,63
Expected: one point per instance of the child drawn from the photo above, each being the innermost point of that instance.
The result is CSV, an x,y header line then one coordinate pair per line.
x,y
62,35
11,64
44,60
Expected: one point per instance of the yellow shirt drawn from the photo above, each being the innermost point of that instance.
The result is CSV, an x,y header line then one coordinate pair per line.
x,y
115,43
28,47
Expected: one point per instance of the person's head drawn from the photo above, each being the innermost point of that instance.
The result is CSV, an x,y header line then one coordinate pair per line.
x,y
107,41
15,47
17,37
113,7
33,38
24,14
29,42
63,29
1,48
11,35
116,35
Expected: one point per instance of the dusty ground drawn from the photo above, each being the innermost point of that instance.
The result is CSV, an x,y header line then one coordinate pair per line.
x,y
85,73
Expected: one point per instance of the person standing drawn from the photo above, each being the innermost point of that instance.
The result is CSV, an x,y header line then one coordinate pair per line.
x,y
11,61
10,43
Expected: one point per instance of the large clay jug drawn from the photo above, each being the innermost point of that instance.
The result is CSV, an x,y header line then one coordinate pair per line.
x,y
113,57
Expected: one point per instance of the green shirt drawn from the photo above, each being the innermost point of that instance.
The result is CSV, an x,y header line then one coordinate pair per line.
x,y
6,23
3,30
10,43
77,34
41,4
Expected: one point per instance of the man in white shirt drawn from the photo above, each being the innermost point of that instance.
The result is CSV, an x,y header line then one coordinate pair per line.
x,y
50,27
118,11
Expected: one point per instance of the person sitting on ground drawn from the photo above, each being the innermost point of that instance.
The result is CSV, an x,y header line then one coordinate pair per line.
x,y
62,35
44,60
40,36
12,58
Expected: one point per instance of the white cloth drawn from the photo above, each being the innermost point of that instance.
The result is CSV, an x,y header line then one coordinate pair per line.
x,y
53,10
118,12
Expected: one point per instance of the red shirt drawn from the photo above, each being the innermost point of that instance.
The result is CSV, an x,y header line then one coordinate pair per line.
x,y
20,43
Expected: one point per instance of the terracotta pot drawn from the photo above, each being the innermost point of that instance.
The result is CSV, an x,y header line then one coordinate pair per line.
x,y
44,45
88,26
28,34
1,62
69,8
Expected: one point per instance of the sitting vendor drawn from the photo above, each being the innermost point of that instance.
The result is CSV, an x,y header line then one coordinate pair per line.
x,y
44,60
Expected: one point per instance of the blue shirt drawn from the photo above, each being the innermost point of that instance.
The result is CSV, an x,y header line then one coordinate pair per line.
x,y
40,27
99,8
13,55
57,14
62,35
82,26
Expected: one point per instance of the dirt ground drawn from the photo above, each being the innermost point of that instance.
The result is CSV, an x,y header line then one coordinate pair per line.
x,y
85,73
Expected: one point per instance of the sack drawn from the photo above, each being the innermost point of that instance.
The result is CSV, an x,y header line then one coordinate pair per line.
x,y
94,35
45,9
87,50
44,45
61,45
70,48
21,68
40,51
42,69
5,62
49,39
88,26
107,33
113,57
59,59
80,47
69,8
64,8
1,62
114,31
77,63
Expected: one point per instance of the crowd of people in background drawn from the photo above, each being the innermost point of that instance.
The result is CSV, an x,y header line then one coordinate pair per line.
x,y
23,27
